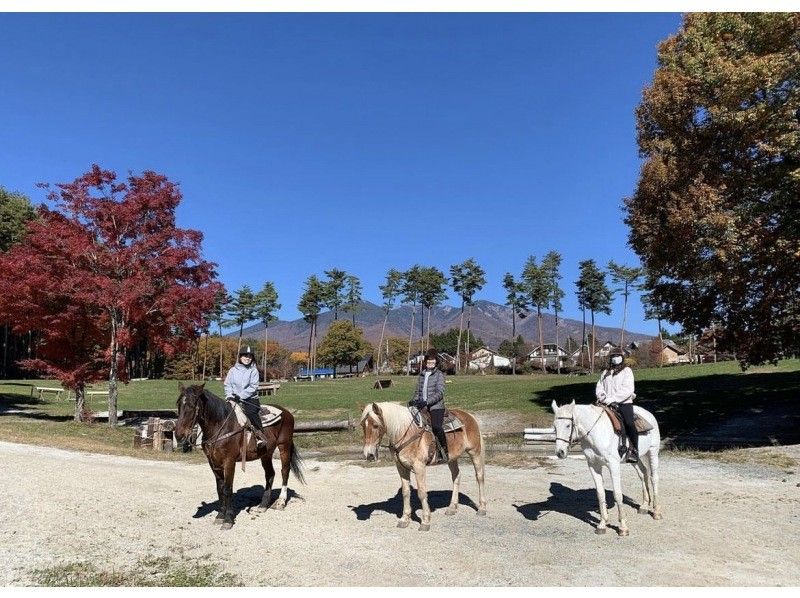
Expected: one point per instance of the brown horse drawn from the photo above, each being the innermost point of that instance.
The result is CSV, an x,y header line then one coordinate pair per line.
x,y
413,446
222,444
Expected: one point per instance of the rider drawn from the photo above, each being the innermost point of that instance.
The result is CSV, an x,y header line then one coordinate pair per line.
x,y
430,395
241,386
615,388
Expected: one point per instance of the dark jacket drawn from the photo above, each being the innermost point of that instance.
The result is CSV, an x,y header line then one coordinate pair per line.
x,y
435,398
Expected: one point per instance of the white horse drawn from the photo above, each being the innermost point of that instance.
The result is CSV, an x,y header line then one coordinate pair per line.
x,y
591,427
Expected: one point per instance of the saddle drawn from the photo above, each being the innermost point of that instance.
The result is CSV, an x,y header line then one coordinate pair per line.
x,y
270,416
642,426
423,419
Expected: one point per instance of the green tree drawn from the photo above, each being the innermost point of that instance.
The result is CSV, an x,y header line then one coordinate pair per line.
x,y
628,277
310,305
389,291
266,306
242,309
447,342
594,295
538,288
518,302
715,216
466,278
222,301
411,294
551,265
334,290
343,344
432,283
352,295
515,349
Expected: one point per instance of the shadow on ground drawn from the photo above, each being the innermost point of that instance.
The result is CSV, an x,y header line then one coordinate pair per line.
x,y
580,504
19,405
437,499
711,412
243,499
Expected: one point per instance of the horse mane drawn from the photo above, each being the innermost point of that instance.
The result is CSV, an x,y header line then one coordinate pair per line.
x,y
214,406
396,418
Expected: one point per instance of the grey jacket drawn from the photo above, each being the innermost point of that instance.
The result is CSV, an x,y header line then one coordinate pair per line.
x,y
242,381
435,398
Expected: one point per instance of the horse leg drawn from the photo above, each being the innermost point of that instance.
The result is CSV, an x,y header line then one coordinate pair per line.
x,y
269,476
641,470
596,469
220,481
616,482
405,482
285,451
422,493
456,475
230,470
478,463
653,471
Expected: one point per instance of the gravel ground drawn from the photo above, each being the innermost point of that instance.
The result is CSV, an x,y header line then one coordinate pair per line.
x,y
723,524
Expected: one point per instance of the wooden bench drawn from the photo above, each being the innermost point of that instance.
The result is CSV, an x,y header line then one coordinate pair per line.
x,y
267,388
45,389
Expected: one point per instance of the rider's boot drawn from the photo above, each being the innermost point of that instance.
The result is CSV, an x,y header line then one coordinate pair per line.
x,y
632,456
442,447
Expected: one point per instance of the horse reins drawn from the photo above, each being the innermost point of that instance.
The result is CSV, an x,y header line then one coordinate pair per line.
x,y
216,438
570,442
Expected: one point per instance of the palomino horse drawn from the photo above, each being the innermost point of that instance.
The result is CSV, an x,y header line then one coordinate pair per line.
x,y
411,446
590,426
222,444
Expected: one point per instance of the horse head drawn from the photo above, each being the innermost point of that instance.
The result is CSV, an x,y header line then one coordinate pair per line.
x,y
564,424
189,403
373,426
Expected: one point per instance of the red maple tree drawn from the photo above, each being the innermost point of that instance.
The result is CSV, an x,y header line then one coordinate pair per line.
x,y
107,269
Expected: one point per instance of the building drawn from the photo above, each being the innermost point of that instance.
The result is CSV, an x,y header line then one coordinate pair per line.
x,y
484,358
553,354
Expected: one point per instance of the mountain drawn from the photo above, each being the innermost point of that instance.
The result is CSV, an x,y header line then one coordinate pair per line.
x,y
490,322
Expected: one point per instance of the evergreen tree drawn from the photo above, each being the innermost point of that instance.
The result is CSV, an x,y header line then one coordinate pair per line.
x,y
628,277
334,290
310,305
517,301
432,283
352,295
538,287
551,264
594,295
266,306
389,291
242,309
411,294
467,279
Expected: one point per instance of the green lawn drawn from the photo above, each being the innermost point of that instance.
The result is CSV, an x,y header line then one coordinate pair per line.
x,y
683,398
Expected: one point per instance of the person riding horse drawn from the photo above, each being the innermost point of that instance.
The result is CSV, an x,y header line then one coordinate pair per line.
x,y
615,389
429,395
241,386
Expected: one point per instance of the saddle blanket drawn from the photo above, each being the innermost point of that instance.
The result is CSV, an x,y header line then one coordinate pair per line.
x,y
642,426
270,416
451,422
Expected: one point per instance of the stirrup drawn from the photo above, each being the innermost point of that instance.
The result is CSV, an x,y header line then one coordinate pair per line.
x,y
632,456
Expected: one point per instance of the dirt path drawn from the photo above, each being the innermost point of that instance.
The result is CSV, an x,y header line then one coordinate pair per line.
x,y
723,524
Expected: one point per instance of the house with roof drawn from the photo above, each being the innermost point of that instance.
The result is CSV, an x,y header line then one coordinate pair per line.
x,y
484,358
672,353
553,355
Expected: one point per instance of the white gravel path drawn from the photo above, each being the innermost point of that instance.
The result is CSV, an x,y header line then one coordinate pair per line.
x,y
723,524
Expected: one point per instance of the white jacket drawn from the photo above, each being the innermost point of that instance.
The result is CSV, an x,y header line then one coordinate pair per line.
x,y
615,388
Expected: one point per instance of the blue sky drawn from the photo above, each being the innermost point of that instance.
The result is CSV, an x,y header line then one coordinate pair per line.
x,y
304,142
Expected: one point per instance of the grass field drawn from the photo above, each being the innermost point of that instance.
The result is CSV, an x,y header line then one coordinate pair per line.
x,y
684,399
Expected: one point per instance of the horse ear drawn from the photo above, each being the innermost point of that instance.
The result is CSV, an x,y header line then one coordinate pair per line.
x,y
573,402
554,406
375,409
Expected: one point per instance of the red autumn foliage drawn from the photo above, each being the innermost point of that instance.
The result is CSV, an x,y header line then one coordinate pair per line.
x,y
106,269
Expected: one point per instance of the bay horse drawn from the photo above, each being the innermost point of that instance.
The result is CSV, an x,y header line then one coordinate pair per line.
x,y
222,444
590,426
412,446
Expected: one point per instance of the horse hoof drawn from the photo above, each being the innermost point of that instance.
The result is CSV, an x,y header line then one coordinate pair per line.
x,y
481,512
657,516
403,524
262,508
450,512
218,520
425,527
644,511
600,531
278,505
623,532
227,525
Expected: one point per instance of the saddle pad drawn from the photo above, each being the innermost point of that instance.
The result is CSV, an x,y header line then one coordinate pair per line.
x,y
270,415
642,426
451,422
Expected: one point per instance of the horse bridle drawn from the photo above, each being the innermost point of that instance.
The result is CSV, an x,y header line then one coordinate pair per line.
x,y
570,442
216,438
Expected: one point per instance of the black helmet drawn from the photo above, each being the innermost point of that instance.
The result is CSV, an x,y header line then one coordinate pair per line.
x,y
432,354
246,350
616,352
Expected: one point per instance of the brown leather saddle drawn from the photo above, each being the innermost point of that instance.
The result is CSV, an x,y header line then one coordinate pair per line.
x,y
270,416
642,426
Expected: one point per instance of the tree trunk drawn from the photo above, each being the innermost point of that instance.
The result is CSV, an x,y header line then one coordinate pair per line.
x,y
513,341
377,364
624,315
266,340
239,346
458,345
469,323
80,403
411,337
5,350
310,336
541,339
583,339
205,359
112,375
219,324
661,345
558,356
591,355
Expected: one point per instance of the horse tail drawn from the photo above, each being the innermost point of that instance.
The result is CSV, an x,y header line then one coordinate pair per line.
x,y
296,464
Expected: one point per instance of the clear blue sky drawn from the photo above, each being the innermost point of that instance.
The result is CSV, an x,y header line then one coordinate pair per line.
x,y
359,141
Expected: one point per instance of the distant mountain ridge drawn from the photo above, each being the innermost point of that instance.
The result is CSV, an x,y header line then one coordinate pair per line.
x,y
490,322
